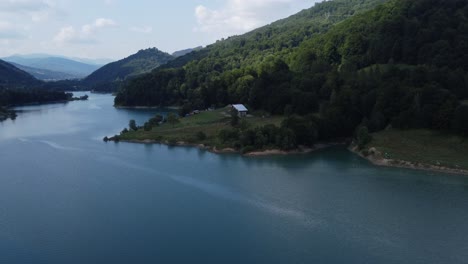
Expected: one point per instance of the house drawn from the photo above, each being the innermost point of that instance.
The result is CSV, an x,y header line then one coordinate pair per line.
x,y
241,110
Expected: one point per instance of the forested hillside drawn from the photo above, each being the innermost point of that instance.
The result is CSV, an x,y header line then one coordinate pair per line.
x,y
12,77
12,97
278,38
109,77
218,69
18,87
340,64
404,64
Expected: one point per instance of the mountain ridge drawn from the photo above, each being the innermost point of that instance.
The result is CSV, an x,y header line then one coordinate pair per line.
x,y
45,75
239,55
13,77
110,76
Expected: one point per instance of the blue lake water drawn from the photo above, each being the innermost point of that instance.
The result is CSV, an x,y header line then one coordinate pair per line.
x,y
68,197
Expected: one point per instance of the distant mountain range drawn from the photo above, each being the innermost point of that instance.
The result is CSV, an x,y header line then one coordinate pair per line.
x,y
97,61
108,77
58,65
48,67
20,70
45,75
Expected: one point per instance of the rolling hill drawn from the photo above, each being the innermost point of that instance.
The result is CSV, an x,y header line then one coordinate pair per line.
x,y
18,87
342,64
12,77
237,58
110,76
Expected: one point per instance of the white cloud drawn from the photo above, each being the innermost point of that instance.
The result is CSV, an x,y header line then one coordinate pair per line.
x,y
89,29
86,34
23,5
36,10
239,16
5,25
65,34
144,29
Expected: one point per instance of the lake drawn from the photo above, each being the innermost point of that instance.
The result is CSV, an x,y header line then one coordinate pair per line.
x,y
68,197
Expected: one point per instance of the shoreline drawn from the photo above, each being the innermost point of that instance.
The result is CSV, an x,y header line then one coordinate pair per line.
x,y
146,107
300,150
73,99
40,103
259,153
376,158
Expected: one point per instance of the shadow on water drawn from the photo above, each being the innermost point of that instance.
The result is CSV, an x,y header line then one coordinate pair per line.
x,y
339,156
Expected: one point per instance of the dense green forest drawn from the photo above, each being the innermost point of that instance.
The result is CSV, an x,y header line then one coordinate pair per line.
x,y
24,96
111,76
339,65
217,73
12,97
403,63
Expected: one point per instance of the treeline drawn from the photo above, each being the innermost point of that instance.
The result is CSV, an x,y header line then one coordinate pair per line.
x,y
293,132
404,63
12,97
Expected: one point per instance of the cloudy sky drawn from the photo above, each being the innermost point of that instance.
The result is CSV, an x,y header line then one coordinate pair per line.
x,y
117,28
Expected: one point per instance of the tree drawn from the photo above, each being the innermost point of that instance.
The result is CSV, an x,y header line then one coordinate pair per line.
x,y
305,130
288,110
132,125
185,109
172,119
234,117
286,139
460,120
363,137
201,135
147,126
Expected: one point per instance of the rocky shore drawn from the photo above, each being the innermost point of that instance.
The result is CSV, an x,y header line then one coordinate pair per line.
x,y
377,158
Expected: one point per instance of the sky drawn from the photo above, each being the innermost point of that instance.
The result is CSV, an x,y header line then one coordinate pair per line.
x,y
117,28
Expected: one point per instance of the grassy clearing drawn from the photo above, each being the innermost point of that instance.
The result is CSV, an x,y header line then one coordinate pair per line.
x,y
423,146
209,122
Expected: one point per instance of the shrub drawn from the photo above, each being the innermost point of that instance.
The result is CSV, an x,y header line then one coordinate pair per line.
x,y
147,126
201,135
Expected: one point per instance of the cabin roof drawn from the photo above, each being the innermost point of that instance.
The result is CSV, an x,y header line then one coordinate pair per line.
x,y
240,107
